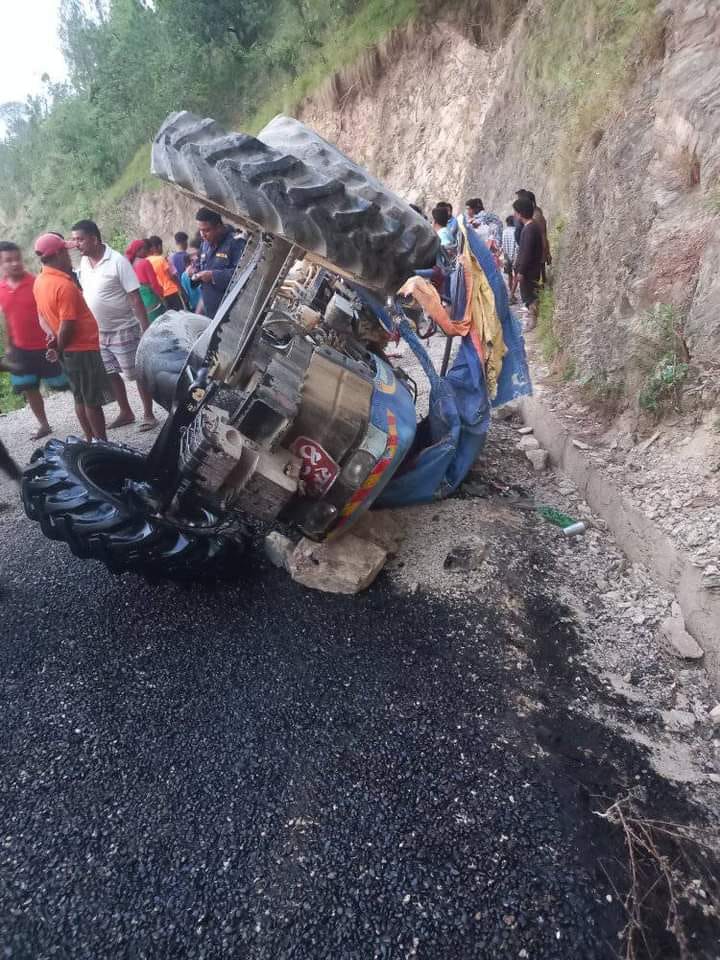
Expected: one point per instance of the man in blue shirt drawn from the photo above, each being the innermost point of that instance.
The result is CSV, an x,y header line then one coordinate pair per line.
x,y
219,255
440,221
452,224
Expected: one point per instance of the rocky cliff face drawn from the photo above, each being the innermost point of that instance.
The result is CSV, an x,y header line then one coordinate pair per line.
x,y
634,183
640,204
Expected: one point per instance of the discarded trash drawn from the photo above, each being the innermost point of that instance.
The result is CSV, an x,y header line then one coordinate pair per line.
x,y
570,527
554,516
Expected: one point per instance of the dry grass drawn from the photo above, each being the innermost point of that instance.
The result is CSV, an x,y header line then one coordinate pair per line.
x,y
667,863
483,22
582,58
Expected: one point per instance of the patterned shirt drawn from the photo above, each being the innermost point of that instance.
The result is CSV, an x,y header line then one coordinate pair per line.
x,y
509,243
491,221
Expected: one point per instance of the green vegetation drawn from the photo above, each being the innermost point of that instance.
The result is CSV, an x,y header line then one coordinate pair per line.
x,y
549,340
662,387
83,145
583,56
8,400
599,388
569,370
338,48
713,200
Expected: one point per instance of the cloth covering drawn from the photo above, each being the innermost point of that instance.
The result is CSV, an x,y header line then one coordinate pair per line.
x,y
478,317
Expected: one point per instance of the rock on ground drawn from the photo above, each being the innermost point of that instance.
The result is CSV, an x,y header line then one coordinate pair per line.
x,y
345,565
538,458
277,549
677,639
528,443
381,527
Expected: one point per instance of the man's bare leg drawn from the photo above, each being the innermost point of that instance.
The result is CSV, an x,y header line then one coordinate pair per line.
x,y
532,317
149,420
83,421
96,422
8,466
121,398
37,405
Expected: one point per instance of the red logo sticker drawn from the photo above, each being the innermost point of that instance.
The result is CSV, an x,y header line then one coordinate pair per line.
x,y
319,470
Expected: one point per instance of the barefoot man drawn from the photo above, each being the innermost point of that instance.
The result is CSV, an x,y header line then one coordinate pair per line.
x,y
24,337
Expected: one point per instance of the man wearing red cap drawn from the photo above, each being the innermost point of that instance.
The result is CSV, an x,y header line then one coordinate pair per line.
x,y
75,333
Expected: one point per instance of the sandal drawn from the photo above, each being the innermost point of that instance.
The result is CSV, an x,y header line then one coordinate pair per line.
x,y
146,425
40,433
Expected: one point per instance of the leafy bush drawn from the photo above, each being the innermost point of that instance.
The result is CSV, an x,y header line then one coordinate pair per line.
x,y
669,365
549,341
663,386
8,400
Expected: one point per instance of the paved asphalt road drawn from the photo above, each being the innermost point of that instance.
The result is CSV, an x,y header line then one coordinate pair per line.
x,y
266,772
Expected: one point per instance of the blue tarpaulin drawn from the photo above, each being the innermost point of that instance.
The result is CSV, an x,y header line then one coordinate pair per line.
x,y
451,437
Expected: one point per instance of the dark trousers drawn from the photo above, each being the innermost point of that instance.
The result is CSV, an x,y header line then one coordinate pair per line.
x,y
8,465
174,302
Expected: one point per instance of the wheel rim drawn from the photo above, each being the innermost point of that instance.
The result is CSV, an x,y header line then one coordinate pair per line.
x,y
108,470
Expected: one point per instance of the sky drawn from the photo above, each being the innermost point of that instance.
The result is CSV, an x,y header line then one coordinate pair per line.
x,y
29,47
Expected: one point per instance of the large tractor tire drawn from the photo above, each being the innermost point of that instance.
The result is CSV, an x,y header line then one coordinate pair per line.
x,y
77,492
165,348
319,200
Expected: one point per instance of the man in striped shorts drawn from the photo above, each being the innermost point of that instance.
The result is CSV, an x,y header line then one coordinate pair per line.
x,y
112,291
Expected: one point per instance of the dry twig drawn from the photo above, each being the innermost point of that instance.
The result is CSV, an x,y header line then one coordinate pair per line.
x,y
650,868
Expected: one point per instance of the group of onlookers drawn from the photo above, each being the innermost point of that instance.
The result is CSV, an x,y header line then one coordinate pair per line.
x,y
80,326
520,244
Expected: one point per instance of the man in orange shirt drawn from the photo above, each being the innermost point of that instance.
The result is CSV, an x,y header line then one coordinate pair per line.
x,y
75,334
170,289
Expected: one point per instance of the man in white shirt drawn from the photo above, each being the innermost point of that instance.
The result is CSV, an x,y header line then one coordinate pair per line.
x,y
112,291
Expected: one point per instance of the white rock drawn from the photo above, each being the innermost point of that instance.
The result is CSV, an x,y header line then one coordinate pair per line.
x,y
528,443
715,715
381,527
525,431
507,411
678,720
278,549
538,458
673,634
345,565
711,577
